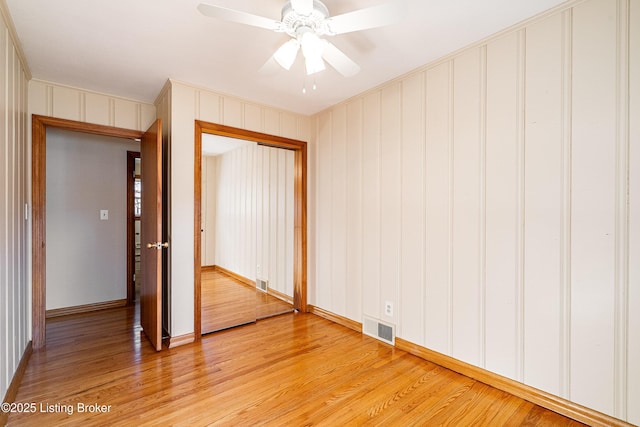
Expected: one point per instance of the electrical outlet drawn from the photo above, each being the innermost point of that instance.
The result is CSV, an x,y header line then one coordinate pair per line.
x,y
259,270
104,214
388,308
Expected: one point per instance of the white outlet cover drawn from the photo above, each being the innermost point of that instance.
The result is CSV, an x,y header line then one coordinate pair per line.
x,y
388,308
104,214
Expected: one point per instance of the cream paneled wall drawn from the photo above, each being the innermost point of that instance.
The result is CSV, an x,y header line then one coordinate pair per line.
x,y
493,197
15,296
249,222
208,216
179,105
66,102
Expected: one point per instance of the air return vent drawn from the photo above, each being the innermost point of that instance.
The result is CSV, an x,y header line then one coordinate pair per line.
x,y
262,285
378,329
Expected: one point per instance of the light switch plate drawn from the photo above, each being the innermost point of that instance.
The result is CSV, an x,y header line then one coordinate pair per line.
x,y
104,214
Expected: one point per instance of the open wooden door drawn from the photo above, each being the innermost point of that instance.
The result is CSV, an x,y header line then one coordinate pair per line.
x,y
151,235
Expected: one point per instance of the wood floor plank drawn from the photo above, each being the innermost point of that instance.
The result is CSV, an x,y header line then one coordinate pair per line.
x,y
294,370
227,302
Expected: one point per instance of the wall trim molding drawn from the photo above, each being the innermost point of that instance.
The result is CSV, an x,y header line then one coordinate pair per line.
x,y
235,276
12,391
246,281
85,308
171,342
523,391
335,318
280,295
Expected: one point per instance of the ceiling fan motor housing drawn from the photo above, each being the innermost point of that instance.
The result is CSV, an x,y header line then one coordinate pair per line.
x,y
316,20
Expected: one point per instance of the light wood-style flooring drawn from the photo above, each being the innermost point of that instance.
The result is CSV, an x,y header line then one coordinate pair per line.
x,y
289,370
226,302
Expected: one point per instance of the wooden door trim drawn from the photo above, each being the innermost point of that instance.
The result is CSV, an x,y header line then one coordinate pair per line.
x,y
39,126
300,208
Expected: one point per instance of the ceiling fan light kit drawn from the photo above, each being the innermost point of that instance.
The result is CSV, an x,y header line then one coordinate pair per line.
x,y
305,21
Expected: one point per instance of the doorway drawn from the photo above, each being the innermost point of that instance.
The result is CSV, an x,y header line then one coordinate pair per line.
x,y
40,124
134,211
298,150
247,232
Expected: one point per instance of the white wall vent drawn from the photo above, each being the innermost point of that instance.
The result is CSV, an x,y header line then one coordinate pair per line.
x,y
380,330
262,285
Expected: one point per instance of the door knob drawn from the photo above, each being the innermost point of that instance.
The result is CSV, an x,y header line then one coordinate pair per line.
x,y
157,245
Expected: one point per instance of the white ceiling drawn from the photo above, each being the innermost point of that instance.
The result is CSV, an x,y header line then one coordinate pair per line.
x,y
130,47
213,145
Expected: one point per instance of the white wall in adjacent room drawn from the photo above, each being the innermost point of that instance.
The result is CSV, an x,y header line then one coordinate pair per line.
x,y
86,256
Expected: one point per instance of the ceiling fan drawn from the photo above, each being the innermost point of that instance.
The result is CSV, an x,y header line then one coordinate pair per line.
x,y
305,21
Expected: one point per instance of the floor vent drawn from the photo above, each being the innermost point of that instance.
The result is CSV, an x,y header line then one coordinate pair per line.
x,y
262,285
378,329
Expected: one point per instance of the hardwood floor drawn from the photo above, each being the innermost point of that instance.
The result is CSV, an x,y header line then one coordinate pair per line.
x,y
227,302
293,370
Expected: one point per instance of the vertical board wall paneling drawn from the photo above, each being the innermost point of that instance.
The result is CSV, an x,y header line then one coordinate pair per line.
x,y
232,112
280,203
530,204
263,206
412,222
633,373
543,205
210,107
467,328
252,117
259,219
22,303
502,169
273,216
11,196
181,172
254,214
338,180
204,209
6,335
438,201
593,204
371,200
354,208
14,304
390,199
51,99
621,285
323,219
272,122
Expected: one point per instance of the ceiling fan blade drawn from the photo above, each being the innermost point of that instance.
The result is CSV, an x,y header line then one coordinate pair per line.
x,y
302,7
338,60
371,17
286,54
270,67
238,16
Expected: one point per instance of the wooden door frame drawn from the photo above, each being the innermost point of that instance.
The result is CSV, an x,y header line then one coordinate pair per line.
x,y
39,126
300,209
131,230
